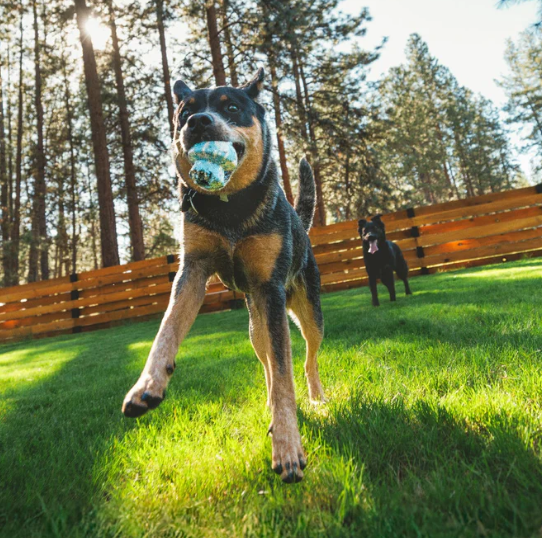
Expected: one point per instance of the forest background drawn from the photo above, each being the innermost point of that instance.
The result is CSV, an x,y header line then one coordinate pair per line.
x,y
86,118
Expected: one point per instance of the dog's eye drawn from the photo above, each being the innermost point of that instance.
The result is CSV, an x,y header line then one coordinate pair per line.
x,y
185,114
232,107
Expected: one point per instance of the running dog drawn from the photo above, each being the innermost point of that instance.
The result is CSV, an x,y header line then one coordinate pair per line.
x,y
257,243
382,258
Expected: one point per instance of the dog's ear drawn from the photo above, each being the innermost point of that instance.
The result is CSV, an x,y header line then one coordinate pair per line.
x,y
378,222
361,224
255,86
181,91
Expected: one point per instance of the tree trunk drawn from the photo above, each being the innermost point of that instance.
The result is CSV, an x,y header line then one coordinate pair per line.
x,y
61,232
299,97
108,231
38,245
39,252
347,166
73,176
16,217
214,43
5,216
280,141
440,138
463,167
92,219
134,219
229,45
320,213
10,140
159,5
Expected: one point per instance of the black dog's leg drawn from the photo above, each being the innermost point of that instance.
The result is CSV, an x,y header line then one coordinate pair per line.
x,y
271,322
389,282
402,271
374,291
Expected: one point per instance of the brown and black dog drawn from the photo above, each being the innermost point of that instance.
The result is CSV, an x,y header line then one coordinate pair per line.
x,y
250,236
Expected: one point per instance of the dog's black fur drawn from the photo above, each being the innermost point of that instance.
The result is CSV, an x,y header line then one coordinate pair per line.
x,y
256,242
382,263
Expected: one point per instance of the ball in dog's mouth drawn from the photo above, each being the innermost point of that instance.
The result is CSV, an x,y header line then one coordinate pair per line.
x,y
214,162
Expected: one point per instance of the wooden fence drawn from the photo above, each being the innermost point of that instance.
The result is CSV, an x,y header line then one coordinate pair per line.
x,y
463,233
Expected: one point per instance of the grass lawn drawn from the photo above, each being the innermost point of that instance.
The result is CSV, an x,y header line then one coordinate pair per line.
x,y
433,426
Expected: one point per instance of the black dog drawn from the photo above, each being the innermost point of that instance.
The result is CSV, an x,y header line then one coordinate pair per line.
x,y
248,234
382,258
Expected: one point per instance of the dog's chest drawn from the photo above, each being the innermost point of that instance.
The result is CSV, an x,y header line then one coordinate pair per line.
x,y
250,262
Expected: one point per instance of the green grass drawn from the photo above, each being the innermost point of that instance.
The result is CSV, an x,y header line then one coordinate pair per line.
x,y
433,427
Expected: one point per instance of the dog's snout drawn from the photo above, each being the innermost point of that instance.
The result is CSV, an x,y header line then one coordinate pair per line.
x,y
198,122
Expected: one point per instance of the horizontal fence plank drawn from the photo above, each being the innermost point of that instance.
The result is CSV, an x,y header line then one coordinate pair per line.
x,y
466,224
461,233
486,251
493,228
474,201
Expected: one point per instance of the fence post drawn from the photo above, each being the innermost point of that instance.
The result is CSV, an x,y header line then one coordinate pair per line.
x,y
74,296
415,234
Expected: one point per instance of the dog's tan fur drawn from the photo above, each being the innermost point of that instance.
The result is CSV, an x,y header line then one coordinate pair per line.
x,y
302,312
258,254
184,305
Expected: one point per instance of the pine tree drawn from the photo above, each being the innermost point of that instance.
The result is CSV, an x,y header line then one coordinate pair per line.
x,y
108,232
136,228
523,87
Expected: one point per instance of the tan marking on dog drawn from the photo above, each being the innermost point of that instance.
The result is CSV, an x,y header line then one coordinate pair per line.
x,y
187,296
192,100
259,254
251,164
223,97
200,240
302,312
258,335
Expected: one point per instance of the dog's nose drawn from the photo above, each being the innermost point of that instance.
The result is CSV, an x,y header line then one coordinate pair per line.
x,y
198,122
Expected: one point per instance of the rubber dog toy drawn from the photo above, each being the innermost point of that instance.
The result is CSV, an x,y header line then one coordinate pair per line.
x,y
213,162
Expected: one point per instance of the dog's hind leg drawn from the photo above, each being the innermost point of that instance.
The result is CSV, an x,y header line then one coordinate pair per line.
x,y
389,281
257,337
288,458
187,295
402,272
304,307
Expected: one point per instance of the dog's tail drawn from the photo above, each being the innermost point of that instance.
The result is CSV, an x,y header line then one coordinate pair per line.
x,y
306,197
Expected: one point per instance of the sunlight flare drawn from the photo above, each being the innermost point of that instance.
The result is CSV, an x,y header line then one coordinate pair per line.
x,y
99,33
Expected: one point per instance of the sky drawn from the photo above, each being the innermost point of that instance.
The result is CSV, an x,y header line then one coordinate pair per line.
x,y
467,36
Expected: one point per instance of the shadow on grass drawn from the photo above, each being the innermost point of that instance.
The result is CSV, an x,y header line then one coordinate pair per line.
x,y
427,469
52,433
56,428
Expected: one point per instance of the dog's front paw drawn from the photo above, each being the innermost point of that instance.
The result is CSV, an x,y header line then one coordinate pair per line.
x,y
288,458
146,394
316,392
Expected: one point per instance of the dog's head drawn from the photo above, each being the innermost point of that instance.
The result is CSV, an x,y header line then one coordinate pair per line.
x,y
222,114
372,233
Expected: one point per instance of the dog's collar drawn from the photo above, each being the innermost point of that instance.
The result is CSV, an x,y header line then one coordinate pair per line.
x,y
188,200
